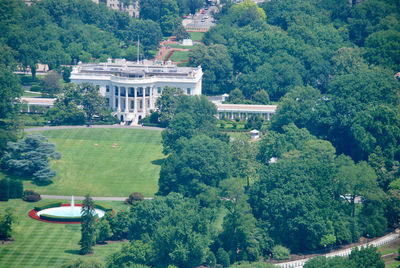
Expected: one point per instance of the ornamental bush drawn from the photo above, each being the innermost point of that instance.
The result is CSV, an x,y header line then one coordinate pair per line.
x,y
15,189
48,217
31,196
10,188
4,193
48,205
280,253
134,197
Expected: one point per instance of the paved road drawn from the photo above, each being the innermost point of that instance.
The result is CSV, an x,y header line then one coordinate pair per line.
x,y
93,126
195,21
45,196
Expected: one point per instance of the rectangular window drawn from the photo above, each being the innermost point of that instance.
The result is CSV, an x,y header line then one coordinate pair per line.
x,y
159,90
147,91
141,104
116,91
107,88
148,103
132,105
188,91
116,103
108,101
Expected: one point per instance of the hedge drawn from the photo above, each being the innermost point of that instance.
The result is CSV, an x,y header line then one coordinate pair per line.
x,y
48,217
102,207
48,205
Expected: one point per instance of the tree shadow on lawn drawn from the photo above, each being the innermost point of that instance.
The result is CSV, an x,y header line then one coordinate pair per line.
x,y
72,251
158,161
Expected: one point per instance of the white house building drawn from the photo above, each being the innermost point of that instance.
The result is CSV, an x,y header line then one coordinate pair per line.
x,y
132,88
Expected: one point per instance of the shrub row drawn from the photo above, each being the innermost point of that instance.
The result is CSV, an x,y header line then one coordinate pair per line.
x,y
60,218
10,188
48,205
102,207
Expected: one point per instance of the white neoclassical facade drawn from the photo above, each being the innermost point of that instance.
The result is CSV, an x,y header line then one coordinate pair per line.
x,y
132,88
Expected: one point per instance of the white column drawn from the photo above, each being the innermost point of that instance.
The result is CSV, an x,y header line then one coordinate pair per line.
x,y
268,116
119,100
152,97
144,101
135,106
126,100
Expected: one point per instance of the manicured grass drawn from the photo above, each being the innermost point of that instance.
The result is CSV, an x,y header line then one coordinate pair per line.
x,y
41,244
104,162
179,56
175,45
196,36
31,95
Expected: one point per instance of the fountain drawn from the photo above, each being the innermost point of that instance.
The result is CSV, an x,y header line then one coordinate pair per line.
x,y
64,211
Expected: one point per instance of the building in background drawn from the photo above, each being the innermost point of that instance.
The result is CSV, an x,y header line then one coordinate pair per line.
x,y
130,6
132,88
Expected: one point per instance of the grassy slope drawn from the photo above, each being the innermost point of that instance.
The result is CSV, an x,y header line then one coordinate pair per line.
x,y
122,162
196,36
179,56
40,244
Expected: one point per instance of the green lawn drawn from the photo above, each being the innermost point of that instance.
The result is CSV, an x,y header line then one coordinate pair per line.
x,y
104,162
41,244
176,45
32,95
196,36
179,56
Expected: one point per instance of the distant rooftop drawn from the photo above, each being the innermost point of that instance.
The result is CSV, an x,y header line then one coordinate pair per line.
x,y
144,68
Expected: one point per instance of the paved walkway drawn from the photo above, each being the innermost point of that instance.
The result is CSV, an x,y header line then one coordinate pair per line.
x,y
45,196
342,252
92,126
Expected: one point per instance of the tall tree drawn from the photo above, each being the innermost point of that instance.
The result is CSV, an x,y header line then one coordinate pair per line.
x,y
88,226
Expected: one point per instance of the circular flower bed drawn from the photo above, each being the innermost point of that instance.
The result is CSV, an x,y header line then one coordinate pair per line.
x,y
46,217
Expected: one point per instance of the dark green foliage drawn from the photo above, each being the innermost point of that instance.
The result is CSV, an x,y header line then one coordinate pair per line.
x,y
30,158
223,257
179,230
136,252
83,263
333,262
134,197
6,221
217,67
48,205
103,230
79,104
10,90
51,85
119,224
280,253
31,196
16,188
193,115
167,104
366,257
4,190
88,226
200,162
53,218
240,236
254,122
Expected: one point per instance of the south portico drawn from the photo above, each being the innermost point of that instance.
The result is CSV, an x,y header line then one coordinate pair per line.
x,y
131,91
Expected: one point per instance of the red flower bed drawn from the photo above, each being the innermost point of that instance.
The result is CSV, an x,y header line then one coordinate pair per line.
x,y
33,214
